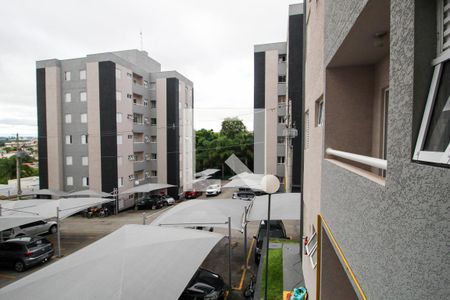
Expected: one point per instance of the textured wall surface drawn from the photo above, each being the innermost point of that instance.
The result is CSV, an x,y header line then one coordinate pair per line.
x,y
395,237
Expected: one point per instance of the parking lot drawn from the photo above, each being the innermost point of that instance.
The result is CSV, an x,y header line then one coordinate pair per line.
x,y
78,232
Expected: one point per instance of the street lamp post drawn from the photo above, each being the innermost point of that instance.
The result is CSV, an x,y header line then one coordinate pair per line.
x,y
270,184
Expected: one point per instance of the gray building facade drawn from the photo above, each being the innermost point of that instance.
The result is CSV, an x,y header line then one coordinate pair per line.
x,y
100,124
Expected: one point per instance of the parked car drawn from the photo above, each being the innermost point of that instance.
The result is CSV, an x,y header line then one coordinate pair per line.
x,y
167,200
24,252
192,194
277,230
247,196
213,190
205,228
204,285
34,228
150,202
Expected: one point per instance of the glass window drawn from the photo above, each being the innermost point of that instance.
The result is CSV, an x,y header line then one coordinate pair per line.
x,y
67,76
153,121
84,139
154,173
69,180
319,112
84,160
280,140
68,97
83,118
153,139
153,156
281,78
280,159
82,74
152,104
85,181
83,97
68,139
120,181
119,117
68,118
68,160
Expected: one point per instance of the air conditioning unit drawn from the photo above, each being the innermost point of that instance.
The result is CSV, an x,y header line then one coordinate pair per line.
x,y
147,157
130,177
147,139
131,157
147,175
130,116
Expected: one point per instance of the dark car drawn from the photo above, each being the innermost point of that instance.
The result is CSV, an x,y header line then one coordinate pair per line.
x,y
247,196
150,202
24,252
192,194
204,285
277,230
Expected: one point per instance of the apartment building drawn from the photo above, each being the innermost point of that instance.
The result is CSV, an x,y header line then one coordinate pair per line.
x,y
377,149
113,120
278,102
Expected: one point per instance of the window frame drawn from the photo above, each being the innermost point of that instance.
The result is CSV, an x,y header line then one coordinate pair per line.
x,y
419,153
83,96
83,74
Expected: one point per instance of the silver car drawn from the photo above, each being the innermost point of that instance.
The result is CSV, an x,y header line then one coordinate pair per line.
x,y
34,228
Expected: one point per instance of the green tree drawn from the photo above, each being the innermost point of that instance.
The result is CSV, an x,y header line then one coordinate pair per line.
x,y
232,127
8,168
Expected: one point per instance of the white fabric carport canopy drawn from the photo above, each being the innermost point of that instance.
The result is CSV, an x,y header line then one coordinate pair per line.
x,y
134,262
212,213
206,172
47,192
16,213
90,193
284,206
248,180
146,188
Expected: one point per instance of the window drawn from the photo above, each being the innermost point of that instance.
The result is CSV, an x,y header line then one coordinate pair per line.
x,y
152,85
153,156
138,118
307,129
84,139
145,83
280,159
67,76
120,182
82,74
280,140
433,141
153,121
129,75
119,160
119,140
85,181
281,58
282,99
68,97
83,97
68,139
118,95
281,119
68,118
83,118
119,117
313,257
319,111
145,102
129,96
281,78
84,161
69,180
118,74
154,173
68,160
152,104
153,139
130,136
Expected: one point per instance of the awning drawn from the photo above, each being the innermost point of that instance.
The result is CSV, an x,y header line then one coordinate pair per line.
x,y
47,192
16,213
284,206
146,188
133,262
212,213
90,193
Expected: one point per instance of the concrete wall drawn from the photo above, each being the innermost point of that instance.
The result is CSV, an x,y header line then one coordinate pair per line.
x,y
313,154
271,115
394,236
161,108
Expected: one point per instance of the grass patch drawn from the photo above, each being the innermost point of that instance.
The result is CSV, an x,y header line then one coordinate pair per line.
x,y
275,280
284,241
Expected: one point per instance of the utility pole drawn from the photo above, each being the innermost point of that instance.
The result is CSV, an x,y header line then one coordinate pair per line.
x,y
289,134
19,190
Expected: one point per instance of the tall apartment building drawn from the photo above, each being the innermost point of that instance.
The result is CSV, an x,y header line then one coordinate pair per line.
x,y
113,120
377,149
278,103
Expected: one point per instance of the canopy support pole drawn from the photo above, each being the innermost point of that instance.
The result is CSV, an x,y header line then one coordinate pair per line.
x,y
143,219
245,237
58,228
229,252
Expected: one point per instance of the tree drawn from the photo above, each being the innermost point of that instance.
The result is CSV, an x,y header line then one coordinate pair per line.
x,y
8,169
213,149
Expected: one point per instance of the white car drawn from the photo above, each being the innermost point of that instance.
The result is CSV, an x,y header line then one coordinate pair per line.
x,y
34,228
167,200
213,190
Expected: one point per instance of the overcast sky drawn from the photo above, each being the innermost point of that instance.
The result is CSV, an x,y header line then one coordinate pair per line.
x,y
208,41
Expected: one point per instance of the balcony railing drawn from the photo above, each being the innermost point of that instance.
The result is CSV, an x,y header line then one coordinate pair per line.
x,y
366,160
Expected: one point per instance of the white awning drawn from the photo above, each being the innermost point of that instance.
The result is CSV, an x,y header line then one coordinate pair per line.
x,y
284,206
47,192
248,180
212,213
90,193
146,188
16,213
133,262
